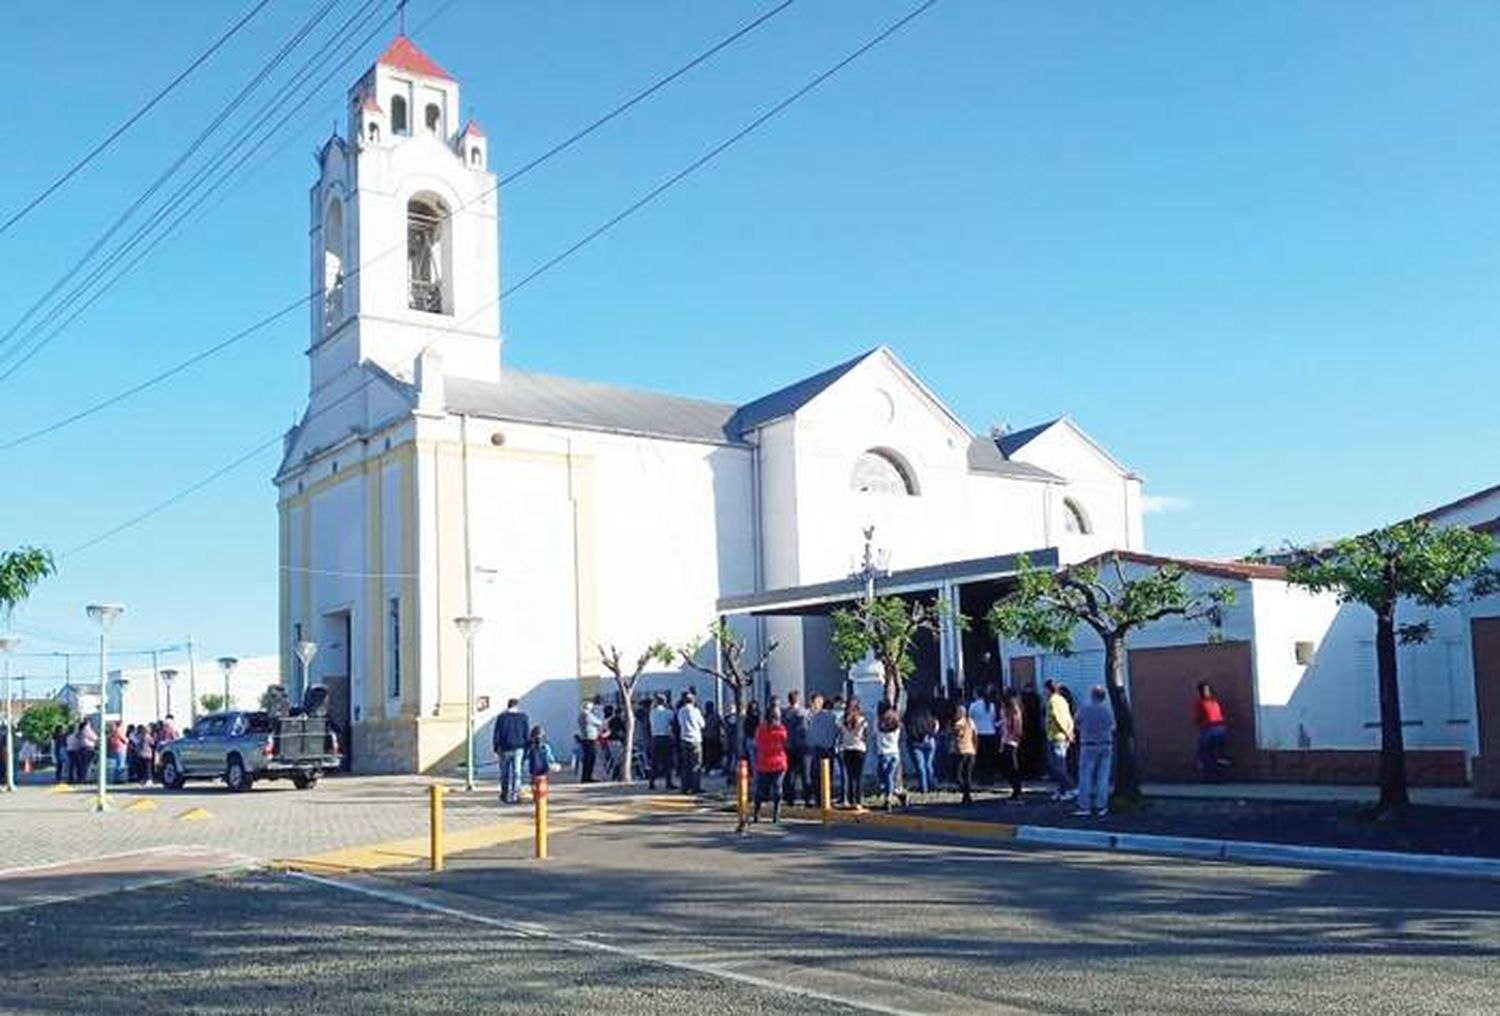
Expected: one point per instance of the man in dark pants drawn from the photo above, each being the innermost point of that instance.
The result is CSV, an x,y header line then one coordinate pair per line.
x,y
660,720
798,758
590,726
512,732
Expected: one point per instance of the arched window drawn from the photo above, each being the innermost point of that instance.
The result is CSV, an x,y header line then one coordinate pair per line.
x,y
474,156
398,115
1075,520
427,253
333,263
434,118
881,472
374,132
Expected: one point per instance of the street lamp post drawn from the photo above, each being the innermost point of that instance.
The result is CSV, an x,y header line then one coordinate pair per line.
x,y
104,615
875,565
227,665
305,650
8,645
469,627
168,675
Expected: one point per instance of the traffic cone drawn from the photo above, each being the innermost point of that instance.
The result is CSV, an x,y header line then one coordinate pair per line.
x,y
26,765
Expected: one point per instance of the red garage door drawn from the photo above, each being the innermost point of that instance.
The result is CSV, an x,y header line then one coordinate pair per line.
x,y
1162,683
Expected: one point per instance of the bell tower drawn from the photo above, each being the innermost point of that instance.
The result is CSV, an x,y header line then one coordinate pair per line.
x,y
404,236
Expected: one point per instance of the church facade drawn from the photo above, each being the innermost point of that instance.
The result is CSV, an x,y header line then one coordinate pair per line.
x,y
426,481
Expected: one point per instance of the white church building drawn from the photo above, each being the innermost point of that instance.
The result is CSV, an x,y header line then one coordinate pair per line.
x,y
429,481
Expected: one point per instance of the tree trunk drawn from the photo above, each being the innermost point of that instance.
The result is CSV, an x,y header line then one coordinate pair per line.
x,y
1127,776
627,765
1393,797
892,685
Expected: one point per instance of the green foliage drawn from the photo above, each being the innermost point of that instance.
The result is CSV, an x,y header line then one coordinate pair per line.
x,y
212,702
1433,565
20,572
657,652
37,723
887,627
1046,606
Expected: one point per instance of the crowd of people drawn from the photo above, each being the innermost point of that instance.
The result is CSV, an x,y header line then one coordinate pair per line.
x,y
998,737
130,751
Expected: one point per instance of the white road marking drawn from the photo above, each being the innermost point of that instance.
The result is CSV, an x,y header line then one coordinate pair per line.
x,y
532,930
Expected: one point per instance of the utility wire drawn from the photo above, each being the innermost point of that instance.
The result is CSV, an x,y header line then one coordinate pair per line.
x,y
225,161
511,177
702,160
130,121
171,169
773,111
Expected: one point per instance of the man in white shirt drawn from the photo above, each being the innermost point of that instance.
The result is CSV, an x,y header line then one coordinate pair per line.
x,y
660,721
986,717
690,730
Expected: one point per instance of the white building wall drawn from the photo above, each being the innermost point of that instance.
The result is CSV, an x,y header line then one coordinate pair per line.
x,y
144,697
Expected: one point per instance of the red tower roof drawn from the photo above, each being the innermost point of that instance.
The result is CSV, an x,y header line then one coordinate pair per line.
x,y
403,53
472,127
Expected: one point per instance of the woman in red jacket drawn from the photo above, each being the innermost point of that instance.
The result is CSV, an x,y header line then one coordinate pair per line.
x,y
770,762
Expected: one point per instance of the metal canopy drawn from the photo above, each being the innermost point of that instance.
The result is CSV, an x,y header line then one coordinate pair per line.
x,y
822,598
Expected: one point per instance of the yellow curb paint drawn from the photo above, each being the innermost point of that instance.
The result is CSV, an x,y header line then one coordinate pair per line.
x,y
374,856
194,815
918,823
140,804
60,788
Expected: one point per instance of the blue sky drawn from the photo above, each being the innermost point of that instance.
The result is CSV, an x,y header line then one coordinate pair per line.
x,y
1249,247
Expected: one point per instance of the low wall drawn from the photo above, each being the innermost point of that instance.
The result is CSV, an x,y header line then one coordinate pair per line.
x,y
1424,767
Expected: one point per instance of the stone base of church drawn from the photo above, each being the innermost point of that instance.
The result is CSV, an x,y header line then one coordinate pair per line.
x,y
385,747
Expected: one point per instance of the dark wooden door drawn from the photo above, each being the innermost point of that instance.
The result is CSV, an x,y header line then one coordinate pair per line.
x,y
1486,635
1162,692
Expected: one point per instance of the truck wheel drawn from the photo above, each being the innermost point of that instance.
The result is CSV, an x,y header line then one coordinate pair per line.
x,y
171,776
235,777
304,781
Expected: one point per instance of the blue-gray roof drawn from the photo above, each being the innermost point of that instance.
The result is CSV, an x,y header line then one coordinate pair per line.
x,y
1015,440
567,402
985,457
786,401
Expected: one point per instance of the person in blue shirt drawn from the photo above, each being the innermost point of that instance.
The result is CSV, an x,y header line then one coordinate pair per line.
x,y
511,728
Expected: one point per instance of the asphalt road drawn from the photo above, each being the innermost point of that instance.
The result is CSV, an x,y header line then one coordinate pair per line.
x,y
676,913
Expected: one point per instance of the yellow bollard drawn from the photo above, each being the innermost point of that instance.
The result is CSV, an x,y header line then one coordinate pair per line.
x,y
742,793
539,795
435,796
825,788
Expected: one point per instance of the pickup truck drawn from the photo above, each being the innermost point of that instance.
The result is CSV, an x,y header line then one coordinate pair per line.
x,y
244,747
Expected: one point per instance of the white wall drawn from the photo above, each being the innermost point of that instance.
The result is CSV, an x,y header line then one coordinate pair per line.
x,y
142,695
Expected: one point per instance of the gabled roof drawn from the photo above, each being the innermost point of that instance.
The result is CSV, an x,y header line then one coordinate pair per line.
x,y
587,405
1015,440
368,103
473,128
1463,502
404,54
985,457
1220,569
786,401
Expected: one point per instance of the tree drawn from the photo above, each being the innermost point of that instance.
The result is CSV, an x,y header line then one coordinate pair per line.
x,y
212,702
887,627
37,723
1413,560
658,652
729,669
20,572
1047,606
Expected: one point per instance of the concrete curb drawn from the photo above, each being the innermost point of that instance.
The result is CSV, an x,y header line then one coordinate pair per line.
x,y
1262,853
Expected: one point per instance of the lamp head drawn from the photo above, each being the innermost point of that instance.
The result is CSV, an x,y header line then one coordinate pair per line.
x,y
306,650
8,643
228,663
168,675
104,614
468,626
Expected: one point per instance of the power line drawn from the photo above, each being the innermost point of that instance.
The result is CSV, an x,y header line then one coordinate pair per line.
x,y
130,121
220,160
171,170
650,196
509,178
704,159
